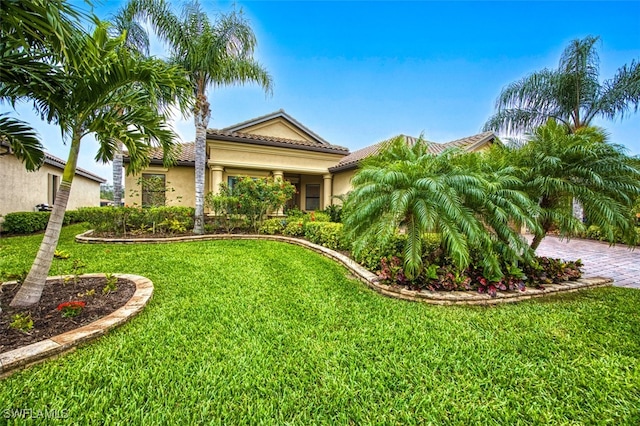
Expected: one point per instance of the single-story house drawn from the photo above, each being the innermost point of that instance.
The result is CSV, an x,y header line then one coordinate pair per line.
x,y
21,190
274,145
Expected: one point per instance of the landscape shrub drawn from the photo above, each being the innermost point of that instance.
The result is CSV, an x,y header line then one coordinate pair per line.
x,y
273,226
30,222
136,220
328,234
444,276
25,222
294,228
335,212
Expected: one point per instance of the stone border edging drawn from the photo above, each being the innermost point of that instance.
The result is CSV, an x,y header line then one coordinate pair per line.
x,y
23,357
372,280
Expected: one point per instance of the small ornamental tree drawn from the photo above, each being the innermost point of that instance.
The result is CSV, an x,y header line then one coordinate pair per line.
x,y
257,197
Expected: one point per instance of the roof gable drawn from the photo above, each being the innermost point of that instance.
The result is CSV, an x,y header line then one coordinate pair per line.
x,y
278,125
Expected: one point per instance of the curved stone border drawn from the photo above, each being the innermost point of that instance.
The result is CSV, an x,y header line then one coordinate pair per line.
x,y
25,356
372,280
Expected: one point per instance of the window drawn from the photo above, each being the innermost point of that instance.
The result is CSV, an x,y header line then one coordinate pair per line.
x,y
53,182
231,182
312,198
153,190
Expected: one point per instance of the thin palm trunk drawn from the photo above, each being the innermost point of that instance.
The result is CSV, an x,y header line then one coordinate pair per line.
x,y
31,289
201,118
117,176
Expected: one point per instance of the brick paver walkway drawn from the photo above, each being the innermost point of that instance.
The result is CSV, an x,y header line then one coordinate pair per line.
x,y
600,260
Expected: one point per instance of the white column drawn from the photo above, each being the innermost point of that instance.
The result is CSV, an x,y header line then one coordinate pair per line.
x,y
215,180
326,190
278,175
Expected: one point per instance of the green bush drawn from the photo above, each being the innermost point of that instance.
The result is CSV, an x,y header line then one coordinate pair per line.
x,y
273,226
328,234
294,228
30,222
123,220
25,222
318,217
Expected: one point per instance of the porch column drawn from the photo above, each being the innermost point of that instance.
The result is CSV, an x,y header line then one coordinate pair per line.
x,y
326,190
215,171
278,175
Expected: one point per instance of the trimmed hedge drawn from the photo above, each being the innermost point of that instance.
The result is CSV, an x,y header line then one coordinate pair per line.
x,y
136,220
30,222
328,234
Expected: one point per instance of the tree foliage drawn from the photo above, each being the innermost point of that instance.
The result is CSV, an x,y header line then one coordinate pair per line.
x,y
214,53
559,166
572,94
116,96
406,188
253,198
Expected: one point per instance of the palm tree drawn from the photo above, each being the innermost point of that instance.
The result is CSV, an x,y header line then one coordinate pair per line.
x,y
218,53
561,167
408,187
137,40
117,100
572,94
34,36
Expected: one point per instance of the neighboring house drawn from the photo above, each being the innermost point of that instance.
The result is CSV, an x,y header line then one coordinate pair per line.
x,y
21,190
274,145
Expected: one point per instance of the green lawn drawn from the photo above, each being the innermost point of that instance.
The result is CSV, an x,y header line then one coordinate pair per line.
x,y
246,332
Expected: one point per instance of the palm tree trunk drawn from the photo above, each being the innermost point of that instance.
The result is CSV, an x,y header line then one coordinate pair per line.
x,y
31,290
117,176
201,118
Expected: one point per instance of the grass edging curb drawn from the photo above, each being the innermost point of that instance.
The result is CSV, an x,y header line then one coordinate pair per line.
x,y
23,357
372,280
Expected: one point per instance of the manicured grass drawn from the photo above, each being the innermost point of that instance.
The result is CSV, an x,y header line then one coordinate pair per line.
x,y
246,332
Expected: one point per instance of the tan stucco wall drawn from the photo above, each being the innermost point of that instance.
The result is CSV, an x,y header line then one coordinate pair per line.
x,y
179,178
21,190
342,183
257,157
277,128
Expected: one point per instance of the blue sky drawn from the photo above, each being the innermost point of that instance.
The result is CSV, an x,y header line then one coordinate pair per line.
x,y
359,72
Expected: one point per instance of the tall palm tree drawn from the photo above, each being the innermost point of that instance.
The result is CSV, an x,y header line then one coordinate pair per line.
x,y
137,40
213,53
561,167
571,94
408,187
117,100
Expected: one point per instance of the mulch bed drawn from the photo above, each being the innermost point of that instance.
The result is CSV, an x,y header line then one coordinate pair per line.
x,y
48,321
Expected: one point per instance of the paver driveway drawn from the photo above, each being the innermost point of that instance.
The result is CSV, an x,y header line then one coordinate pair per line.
x,y
600,260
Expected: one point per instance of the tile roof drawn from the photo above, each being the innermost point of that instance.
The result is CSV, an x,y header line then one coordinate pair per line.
x,y
60,163
466,144
186,154
277,114
54,161
235,136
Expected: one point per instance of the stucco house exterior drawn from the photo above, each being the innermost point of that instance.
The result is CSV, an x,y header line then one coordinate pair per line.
x,y
274,145
21,190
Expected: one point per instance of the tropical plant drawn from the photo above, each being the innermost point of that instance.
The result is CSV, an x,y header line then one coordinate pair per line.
x,y
560,167
34,37
256,197
571,94
406,187
91,102
213,53
136,40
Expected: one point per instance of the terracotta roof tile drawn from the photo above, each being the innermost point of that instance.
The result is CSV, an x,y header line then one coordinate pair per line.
x,y
467,144
274,141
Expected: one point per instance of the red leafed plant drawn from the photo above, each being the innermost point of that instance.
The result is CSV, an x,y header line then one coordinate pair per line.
x,y
71,309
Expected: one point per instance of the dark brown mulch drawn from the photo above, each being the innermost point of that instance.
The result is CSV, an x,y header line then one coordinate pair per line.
x,y
48,321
